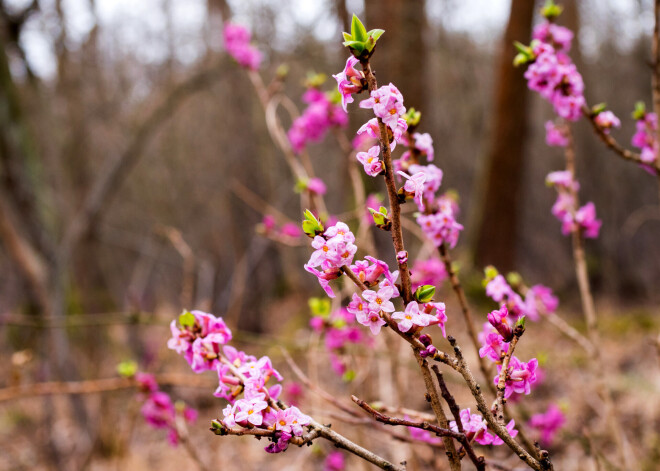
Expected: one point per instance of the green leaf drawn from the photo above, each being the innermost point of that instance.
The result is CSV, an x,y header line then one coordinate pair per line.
x,y
599,108
521,322
551,10
186,319
520,59
514,278
490,272
347,37
358,31
310,225
425,293
375,33
526,50
640,110
127,369
357,45
379,219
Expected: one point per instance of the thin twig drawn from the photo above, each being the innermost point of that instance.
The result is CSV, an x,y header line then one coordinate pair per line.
x,y
498,405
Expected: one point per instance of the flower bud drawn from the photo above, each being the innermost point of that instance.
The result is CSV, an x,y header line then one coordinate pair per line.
x,y
424,293
425,339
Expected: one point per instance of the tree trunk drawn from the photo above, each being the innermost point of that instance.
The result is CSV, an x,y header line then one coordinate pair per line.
x,y
499,210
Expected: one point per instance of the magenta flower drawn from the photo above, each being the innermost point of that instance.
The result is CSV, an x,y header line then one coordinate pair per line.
x,y
334,462
540,300
548,423
493,347
372,165
498,289
498,319
553,34
440,317
492,439
554,135
350,81
585,217
474,425
316,186
428,272
237,44
521,376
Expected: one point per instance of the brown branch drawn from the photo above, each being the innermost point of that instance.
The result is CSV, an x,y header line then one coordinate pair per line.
x,y
479,462
395,207
449,399
465,309
612,144
461,366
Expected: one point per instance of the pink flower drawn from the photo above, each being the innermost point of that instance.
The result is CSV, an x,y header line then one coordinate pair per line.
x,y
415,186
412,317
540,300
350,81
237,43
441,227
440,317
498,319
146,382
585,217
334,462
380,301
319,116
554,135
372,165
498,289
387,103
474,425
424,144
492,439
607,120
316,186
493,347
428,272
548,423
521,376
158,410
553,34
370,318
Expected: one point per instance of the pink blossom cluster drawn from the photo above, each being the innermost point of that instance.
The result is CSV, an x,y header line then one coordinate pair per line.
x,y
441,226
538,299
548,423
237,44
553,74
428,272
334,462
645,137
421,146
606,120
287,230
476,428
565,208
422,435
340,330
333,250
312,125
417,316
200,340
158,409
555,136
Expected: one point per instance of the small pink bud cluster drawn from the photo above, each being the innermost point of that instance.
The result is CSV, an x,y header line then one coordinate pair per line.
x,y
312,125
334,249
422,146
287,231
200,340
565,209
350,81
606,120
645,137
340,330
476,428
553,74
237,43
428,272
555,135
548,423
538,300
158,409
441,225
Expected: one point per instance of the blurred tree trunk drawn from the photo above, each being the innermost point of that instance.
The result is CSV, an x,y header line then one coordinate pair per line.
x,y
402,56
499,210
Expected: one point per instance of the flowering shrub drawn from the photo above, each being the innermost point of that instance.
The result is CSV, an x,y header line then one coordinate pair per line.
x,y
378,298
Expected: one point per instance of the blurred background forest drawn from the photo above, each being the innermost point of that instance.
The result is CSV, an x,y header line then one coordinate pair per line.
x,y
134,155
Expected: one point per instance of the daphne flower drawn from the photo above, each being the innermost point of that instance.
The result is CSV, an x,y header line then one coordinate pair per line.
x,y
372,165
548,423
606,120
554,135
380,301
415,186
349,81
412,317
